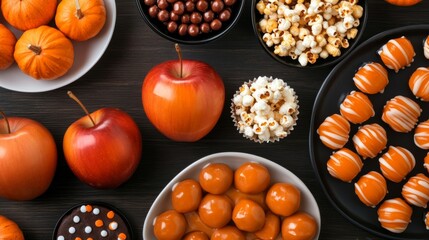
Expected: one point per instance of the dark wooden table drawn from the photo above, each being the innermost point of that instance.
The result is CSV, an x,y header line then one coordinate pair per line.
x,y
116,81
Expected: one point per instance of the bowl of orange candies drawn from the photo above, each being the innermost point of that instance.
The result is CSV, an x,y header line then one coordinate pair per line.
x,y
233,195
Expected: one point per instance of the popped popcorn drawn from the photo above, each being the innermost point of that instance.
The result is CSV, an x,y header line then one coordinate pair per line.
x,y
309,29
265,109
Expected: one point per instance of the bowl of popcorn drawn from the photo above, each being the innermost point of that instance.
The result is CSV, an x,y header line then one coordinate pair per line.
x,y
265,109
309,33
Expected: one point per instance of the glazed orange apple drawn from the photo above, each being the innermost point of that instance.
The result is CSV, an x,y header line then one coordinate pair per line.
x,y
394,215
371,188
371,78
397,53
344,164
396,163
370,140
334,131
356,107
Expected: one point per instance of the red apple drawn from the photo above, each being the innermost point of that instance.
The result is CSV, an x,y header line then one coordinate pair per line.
x,y
28,158
183,99
103,149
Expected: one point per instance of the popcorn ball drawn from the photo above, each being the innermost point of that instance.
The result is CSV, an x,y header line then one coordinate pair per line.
x,y
265,109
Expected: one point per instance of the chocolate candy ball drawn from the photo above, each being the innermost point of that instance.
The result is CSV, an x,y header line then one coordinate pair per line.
x,y
196,17
172,26
178,8
183,29
205,28
217,6
190,6
193,30
209,16
216,24
202,5
171,1
153,11
225,15
163,15
174,17
149,2
230,2
186,18
162,4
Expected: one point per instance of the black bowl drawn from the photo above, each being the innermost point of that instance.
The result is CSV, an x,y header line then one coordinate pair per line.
x,y
330,61
161,29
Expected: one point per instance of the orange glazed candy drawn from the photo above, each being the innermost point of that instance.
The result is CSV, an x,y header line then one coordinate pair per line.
x,y
344,164
397,53
369,140
427,221
394,215
416,190
372,78
334,131
401,113
419,83
421,135
396,163
371,188
356,107
426,47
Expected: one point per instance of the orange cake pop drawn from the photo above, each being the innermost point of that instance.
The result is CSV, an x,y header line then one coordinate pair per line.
x,y
419,83
394,215
344,164
369,140
356,107
371,188
416,190
426,162
334,131
397,53
421,135
401,113
371,78
396,163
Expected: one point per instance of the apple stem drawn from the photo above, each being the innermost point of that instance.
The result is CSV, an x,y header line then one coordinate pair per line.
x,y
72,96
7,121
179,53
79,13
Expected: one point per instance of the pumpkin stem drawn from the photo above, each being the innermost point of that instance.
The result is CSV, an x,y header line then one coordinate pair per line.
x,y
79,13
72,96
36,49
7,121
179,53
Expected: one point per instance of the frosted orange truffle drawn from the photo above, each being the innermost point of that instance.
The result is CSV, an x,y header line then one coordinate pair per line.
x,y
426,47
344,164
371,78
397,53
427,221
394,215
401,114
396,163
371,188
416,190
421,135
419,83
334,131
369,140
356,107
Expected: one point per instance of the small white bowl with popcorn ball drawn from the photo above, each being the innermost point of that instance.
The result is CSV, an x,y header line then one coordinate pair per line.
x,y
265,109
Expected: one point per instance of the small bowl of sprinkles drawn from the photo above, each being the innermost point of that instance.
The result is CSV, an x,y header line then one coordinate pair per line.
x,y
92,221
265,109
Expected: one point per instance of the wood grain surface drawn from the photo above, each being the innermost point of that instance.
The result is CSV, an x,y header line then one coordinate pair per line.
x,y
116,80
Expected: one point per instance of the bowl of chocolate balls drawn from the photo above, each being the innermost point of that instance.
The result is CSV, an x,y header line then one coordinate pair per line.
x,y
191,21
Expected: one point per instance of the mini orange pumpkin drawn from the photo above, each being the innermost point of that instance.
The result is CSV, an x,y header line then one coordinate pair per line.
x,y
28,14
7,46
403,3
9,229
80,21
44,53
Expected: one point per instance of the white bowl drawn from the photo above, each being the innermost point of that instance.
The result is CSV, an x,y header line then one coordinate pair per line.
x,y
234,160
